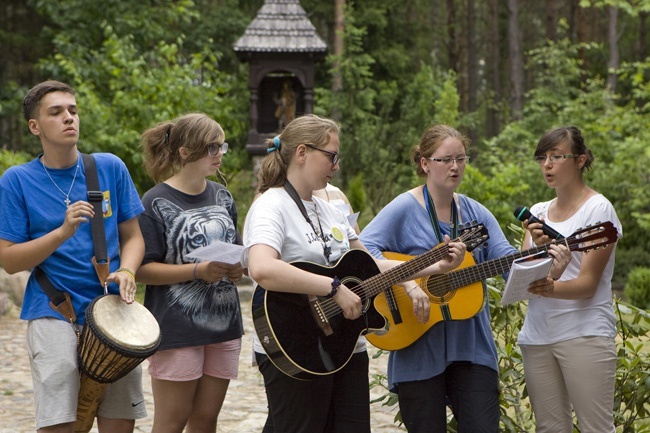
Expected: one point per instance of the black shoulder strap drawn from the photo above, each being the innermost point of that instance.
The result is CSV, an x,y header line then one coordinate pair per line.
x,y
95,198
56,296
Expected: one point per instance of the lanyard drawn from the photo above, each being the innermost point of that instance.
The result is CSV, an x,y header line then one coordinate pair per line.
x,y
327,251
433,216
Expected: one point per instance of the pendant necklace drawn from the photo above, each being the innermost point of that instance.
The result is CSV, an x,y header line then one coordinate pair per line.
x,y
67,196
575,203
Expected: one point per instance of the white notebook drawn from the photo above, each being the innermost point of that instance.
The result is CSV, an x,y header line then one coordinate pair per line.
x,y
523,272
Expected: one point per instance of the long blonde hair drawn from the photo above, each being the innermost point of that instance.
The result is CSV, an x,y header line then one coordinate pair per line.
x,y
311,129
161,143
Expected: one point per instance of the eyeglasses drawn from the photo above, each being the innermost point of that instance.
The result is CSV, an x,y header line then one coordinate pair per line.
x,y
334,155
461,160
541,159
214,148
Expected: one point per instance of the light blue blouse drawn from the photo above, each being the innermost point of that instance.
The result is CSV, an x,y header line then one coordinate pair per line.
x,y
404,226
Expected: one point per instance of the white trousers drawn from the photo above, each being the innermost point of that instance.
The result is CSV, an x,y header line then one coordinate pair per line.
x,y
579,374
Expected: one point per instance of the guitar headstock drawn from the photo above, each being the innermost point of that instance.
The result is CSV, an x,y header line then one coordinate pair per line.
x,y
592,237
472,234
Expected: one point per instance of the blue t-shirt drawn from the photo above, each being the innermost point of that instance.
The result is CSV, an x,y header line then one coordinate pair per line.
x,y
403,226
32,206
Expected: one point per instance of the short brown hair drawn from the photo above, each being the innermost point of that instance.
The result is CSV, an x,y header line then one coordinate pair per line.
x,y
32,100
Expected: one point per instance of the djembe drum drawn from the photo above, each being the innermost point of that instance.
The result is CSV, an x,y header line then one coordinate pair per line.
x,y
116,338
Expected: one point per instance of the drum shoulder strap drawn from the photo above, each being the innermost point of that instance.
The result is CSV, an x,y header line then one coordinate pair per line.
x,y
96,198
59,301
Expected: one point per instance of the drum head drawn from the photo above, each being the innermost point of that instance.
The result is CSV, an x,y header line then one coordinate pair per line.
x,y
128,325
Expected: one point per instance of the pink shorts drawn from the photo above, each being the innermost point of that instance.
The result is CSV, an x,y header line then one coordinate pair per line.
x,y
219,360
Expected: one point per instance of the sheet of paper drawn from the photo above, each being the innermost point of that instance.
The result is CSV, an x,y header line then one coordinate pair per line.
x,y
218,251
352,218
523,272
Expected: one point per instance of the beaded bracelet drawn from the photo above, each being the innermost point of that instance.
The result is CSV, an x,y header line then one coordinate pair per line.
x,y
335,287
128,271
196,266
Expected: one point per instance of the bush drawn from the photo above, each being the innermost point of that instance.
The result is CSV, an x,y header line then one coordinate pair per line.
x,y
628,259
9,158
637,288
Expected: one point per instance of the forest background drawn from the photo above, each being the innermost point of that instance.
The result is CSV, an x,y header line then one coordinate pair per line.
x,y
502,71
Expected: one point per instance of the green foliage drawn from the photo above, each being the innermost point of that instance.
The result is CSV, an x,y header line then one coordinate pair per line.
x,y
637,287
383,119
139,90
632,396
9,159
628,259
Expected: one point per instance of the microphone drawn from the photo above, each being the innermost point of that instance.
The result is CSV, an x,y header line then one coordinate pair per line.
x,y
522,213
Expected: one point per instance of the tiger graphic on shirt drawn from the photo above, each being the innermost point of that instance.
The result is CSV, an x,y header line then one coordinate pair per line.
x,y
212,305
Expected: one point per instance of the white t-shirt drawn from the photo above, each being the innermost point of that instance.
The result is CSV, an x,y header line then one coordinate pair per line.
x,y
335,197
553,320
275,220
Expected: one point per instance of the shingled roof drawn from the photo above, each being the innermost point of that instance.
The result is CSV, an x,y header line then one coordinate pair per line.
x,y
281,26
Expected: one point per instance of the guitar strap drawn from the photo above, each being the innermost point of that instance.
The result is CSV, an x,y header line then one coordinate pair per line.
x,y
327,251
60,301
433,216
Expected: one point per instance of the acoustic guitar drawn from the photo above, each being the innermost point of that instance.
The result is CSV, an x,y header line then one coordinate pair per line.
x,y
459,294
307,336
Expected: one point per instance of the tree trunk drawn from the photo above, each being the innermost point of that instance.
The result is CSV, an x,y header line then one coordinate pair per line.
x,y
337,44
614,54
337,49
643,34
551,20
472,64
452,41
493,126
581,31
516,61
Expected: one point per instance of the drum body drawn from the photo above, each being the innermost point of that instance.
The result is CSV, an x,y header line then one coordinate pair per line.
x,y
116,338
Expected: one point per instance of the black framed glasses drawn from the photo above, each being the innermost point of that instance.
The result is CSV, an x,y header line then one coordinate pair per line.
x,y
541,159
214,148
334,155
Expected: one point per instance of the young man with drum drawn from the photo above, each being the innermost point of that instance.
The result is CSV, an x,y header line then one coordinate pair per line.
x,y
44,223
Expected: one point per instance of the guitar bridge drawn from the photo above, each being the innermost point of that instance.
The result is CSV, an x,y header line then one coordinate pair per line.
x,y
319,316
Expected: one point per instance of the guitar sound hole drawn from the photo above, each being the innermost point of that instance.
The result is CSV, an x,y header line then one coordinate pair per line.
x,y
436,293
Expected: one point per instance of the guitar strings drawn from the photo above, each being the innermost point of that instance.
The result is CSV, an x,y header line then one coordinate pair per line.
x,y
331,308
364,291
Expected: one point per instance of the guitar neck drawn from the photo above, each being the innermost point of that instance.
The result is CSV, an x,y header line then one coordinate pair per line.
x,y
491,268
404,271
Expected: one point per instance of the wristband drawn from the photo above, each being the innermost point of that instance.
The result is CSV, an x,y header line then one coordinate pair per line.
x,y
128,271
335,287
196,266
